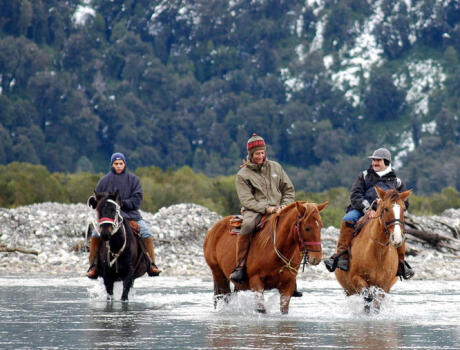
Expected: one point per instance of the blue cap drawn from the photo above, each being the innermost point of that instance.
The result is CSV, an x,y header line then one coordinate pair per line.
x,y
117,156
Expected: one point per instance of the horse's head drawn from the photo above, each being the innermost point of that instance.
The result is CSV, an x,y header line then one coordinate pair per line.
x,y
390,211
107,206
308,230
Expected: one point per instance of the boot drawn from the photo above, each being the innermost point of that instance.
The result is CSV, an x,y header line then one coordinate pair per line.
x,y
239,274
340,258
404,269
297,293
153,270
93,251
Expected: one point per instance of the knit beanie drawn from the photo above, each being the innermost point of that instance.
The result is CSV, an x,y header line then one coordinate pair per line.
x,y
255,143
117,156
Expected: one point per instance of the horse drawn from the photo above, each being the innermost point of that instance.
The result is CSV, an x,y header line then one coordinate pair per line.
x,y
373,258
275,254
121,256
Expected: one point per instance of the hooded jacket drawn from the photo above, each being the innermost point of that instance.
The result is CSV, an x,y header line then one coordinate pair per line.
x,y
262,186
130,189
363,192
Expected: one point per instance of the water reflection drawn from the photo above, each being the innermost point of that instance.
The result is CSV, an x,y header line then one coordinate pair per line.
x,y
369,335
252,335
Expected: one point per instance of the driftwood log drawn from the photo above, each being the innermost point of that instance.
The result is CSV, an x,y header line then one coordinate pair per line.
x,y
444,237
5,248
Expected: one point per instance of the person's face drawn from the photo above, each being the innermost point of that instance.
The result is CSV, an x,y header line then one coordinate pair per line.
x,y
378,165
258,157
118,166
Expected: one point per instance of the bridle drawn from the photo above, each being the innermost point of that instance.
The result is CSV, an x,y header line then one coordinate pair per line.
x,y
303,244
387,225
116,223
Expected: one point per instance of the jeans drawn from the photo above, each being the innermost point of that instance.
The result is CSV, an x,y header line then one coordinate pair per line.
x,y
353,216
143,228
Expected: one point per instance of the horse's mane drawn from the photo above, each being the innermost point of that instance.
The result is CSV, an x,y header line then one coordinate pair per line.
x,y
264,238
392,195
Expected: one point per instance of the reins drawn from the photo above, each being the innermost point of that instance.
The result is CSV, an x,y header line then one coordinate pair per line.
x,y
303,245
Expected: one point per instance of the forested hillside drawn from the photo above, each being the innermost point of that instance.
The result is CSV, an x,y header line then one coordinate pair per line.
x,y
181,82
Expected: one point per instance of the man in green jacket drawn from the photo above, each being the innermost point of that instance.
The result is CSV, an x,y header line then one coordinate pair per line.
x,y
262,187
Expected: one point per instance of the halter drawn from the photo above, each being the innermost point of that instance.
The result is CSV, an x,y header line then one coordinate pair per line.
x,y
116,223
387,225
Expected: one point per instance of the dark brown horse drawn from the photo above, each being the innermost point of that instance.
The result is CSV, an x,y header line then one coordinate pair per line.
x,y
275,254
121,256
374,258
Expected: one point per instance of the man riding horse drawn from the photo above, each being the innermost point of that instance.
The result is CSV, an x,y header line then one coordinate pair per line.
x,y
263,188
364,201
130,190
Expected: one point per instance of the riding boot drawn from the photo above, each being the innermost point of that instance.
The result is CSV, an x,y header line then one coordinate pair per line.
x,y
404,269
340,258
297,293
153,270
239,274
93,251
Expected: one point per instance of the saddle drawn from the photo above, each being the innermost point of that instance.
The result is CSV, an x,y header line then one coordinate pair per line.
x,y
361,222
134,226
237,220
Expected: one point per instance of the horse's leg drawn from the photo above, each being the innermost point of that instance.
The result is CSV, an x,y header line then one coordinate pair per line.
x,y
286,292
108,282
128,282
221,286
257,286
361,286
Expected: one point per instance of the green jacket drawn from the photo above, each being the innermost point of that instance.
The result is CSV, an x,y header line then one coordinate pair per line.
x,y
261,186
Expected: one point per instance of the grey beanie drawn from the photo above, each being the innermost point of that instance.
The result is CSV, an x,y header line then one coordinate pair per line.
x,y
381,153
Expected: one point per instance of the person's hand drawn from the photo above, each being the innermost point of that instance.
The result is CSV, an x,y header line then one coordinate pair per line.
x,y
271,210
372,213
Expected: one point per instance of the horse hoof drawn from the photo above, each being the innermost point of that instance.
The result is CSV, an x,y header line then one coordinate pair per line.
x,y
109,297
261,309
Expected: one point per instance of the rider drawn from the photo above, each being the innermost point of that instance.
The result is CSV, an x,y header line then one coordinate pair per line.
x,y
364,199
130,189
262,187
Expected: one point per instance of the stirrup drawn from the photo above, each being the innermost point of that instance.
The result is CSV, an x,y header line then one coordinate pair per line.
x,y
405,270
156,271
335,261
297,294
92,272
239,275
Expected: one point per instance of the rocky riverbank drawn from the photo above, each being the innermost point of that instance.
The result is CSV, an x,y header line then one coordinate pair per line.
x,y
50,238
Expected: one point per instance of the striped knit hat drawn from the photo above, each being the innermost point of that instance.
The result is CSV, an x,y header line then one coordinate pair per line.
x,y
255,143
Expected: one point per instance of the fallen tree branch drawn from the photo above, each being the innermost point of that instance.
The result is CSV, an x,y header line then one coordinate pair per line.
x,y
4,248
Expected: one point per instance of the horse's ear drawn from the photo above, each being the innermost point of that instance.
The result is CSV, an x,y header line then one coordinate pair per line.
x,y
322,206
92,201
117,196
380,192
298,207
405,194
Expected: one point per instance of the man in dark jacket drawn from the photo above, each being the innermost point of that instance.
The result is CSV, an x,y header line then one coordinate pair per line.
x,y
262,187
363,199
131,194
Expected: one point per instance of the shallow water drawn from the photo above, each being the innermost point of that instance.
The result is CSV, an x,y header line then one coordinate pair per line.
x,y
177,313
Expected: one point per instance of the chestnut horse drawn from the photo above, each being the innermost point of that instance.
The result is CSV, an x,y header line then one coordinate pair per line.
x,y
374,258
275,253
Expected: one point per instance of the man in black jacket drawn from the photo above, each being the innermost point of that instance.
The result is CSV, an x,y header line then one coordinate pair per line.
x,y
363,199
131,194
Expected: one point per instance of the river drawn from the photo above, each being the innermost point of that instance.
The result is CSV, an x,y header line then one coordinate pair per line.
x,y
49,312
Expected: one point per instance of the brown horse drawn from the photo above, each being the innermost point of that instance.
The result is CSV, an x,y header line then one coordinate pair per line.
x,y
275,254
374,258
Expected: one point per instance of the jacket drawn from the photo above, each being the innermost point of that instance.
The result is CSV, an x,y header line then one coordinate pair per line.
x,y
363,192
130,190
261,186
